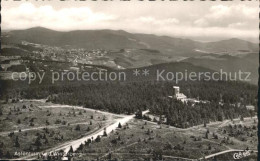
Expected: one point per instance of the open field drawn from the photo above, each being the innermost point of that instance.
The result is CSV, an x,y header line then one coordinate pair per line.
x,y
36,126
144,140
46,127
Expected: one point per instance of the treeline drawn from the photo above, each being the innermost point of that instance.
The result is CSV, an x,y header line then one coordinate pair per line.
x,y
129,98
183,115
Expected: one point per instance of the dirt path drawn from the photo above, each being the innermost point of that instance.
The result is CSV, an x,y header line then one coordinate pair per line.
x,y
221,124
76,143
119,149
41,127
123,119
82,108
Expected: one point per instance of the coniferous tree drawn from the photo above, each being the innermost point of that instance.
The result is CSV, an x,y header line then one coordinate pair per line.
x,y
17,144
119,125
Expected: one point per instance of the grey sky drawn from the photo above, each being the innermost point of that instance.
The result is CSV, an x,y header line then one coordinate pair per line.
x,y
206,21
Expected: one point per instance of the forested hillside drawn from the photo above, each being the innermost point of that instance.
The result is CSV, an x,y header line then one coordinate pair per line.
x,y
129,98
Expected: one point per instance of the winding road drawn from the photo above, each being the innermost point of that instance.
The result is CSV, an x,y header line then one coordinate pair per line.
x,y
76,143
123,119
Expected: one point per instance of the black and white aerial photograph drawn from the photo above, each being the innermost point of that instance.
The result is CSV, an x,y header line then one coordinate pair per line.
x,y
129,80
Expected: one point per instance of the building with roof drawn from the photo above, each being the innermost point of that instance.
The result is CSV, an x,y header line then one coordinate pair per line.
x,y
180,96
177,95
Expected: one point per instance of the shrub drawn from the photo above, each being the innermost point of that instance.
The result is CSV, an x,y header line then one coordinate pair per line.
x,y
98,139
77,128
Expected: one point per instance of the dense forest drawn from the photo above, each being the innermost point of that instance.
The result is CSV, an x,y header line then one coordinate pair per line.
x,y
185,115
130,97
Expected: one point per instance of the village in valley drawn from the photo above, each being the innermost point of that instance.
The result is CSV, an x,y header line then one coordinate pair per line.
x,y
97,121
135,80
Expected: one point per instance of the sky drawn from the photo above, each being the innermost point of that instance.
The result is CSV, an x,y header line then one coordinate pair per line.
x,y
203,21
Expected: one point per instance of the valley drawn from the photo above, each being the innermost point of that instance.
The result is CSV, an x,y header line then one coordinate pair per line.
x,y
139,118
121,51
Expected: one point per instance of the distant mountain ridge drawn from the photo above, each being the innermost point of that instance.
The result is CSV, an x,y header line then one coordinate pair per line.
x,y
119,39
145,50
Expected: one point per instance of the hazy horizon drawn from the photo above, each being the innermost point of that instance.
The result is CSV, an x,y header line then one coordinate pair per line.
x,y
207,21
194,39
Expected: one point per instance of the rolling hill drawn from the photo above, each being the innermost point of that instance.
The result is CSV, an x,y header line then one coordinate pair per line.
x,y
228,63
129,50
119,39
